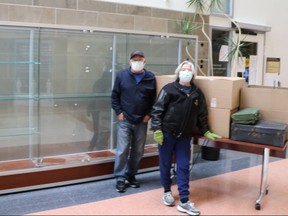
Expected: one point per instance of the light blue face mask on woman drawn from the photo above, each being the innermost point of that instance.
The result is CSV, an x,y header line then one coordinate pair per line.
x,y
185,76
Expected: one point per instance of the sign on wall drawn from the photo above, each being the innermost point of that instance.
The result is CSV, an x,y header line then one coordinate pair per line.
x,y
273,65
272,72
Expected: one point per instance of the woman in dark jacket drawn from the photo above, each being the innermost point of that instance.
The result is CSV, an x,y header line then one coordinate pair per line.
x,y
179,108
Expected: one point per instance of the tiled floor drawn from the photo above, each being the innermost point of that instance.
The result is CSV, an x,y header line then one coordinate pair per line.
x,y
228,186
232,193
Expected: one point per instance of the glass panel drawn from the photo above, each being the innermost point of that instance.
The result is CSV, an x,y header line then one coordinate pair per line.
x,y
75,64
21,147
18,93
161,55
18,117
18,129
74,125
72,61
60,104
227,8
220,44
18,62
248,48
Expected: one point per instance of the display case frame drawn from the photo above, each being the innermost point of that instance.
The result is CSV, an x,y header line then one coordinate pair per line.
x,y
48,116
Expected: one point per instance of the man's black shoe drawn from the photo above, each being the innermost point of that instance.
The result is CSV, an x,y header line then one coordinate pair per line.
x,y
133,182
120,186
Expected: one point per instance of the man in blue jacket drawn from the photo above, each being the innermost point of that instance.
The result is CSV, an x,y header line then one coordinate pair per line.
x,y
132,99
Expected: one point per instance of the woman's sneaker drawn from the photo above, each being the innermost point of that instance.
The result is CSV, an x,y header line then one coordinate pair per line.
x,y
168,199
188,207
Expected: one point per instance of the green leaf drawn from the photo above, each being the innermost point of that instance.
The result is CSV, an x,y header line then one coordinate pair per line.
x,y
188,26
198,4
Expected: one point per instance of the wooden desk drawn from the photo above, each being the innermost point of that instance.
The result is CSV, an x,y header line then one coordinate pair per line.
x,y
265,150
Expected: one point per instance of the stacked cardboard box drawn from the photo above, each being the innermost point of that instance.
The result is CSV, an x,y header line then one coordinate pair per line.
x,y
222,96
271,102
221,92
223,99
162,80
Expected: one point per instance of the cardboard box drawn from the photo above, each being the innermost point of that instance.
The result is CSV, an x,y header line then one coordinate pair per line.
x,y
271,102
221,92
162,80
219,121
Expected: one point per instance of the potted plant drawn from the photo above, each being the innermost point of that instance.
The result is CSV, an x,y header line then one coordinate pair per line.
x,y
204,7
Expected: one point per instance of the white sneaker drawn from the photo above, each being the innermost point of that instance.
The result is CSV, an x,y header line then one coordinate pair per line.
x,y
188,207
168,199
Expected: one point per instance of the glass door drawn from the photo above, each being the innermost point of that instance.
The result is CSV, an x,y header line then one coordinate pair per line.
x,y
250,63
220,44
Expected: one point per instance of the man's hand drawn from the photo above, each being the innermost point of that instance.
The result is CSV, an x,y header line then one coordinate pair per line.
x,y
211,136
121,117
158,136
146,118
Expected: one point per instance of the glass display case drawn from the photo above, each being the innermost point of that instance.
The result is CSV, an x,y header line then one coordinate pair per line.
x,y
55,90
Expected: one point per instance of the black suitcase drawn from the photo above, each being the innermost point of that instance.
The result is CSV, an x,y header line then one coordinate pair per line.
x,y
263,132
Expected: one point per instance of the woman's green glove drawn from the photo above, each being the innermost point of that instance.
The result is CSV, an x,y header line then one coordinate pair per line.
x,y
158,136
211,136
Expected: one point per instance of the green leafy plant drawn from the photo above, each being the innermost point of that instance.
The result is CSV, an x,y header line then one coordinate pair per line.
x,y
188,25
203,7
242,50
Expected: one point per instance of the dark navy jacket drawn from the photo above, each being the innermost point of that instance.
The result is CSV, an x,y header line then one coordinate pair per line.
x,y
134,99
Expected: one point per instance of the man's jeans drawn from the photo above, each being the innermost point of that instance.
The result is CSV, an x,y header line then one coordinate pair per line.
x,y
131,140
